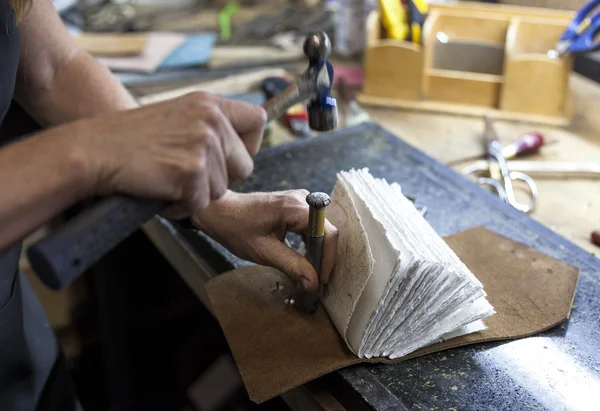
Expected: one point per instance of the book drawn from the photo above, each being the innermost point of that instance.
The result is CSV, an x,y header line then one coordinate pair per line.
x,y
397,286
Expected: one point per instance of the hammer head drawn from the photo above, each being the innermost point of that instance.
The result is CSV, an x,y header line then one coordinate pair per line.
x,y
322,110
317,46
322,119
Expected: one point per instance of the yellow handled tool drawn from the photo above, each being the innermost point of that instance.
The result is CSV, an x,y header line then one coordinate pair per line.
x,y
417,10
394,19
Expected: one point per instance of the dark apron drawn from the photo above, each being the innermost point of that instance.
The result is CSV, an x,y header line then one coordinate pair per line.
x,y
28,347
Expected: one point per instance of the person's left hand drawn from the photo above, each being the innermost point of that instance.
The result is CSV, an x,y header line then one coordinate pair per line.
x,y
253,227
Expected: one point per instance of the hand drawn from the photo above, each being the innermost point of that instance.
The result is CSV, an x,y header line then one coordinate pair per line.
x,y
253,227
187,150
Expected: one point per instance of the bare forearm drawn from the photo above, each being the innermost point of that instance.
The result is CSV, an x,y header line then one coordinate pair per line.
x,y
82,88
41,176
57,82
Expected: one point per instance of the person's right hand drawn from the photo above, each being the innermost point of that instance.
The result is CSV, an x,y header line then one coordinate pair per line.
x,y
187,150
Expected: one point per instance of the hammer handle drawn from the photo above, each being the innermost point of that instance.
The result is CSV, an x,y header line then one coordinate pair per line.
x,y
83,240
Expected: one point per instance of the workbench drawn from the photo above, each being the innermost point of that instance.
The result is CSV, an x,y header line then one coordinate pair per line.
x,y
570,207
566,207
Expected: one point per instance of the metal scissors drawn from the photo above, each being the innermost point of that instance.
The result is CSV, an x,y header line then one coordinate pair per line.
x,y
501,178
580,33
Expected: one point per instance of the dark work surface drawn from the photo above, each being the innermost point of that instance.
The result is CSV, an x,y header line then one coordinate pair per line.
x,y
559,369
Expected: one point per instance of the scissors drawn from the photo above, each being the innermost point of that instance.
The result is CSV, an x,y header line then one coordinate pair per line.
x,y
501,178
580,33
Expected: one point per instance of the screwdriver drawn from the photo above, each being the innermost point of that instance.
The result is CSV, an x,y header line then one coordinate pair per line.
x,y
596,237
527,144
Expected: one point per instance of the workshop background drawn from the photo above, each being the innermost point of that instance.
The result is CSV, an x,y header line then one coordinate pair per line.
x,y
135,336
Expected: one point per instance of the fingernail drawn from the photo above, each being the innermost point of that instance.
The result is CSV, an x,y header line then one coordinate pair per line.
x,y
305,283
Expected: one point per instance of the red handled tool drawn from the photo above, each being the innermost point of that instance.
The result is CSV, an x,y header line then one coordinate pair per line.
x,y
596,237
527,144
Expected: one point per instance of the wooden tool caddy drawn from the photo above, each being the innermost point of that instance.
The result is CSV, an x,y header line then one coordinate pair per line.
x,y
476,59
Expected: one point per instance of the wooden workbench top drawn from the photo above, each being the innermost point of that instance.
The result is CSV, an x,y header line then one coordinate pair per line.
x,y
570,207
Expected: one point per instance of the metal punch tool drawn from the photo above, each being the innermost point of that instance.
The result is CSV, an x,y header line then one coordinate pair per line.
x,y
318,203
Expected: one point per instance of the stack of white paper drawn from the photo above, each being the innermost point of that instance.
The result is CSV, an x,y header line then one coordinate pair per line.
x,y
397,286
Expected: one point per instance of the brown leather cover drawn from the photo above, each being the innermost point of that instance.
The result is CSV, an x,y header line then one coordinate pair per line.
x,y
277,348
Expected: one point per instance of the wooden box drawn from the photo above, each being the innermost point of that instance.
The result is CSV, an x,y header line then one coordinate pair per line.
x,y
476,59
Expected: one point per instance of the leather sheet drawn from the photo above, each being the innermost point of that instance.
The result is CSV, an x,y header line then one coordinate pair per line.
x,y
278,348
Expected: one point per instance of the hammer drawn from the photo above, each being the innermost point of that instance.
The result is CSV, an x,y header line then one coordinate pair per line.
x,y
68,251
313,85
